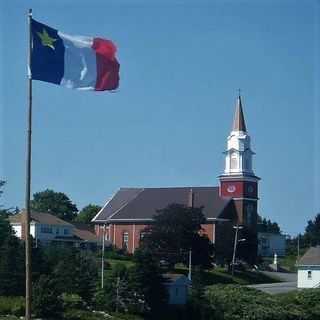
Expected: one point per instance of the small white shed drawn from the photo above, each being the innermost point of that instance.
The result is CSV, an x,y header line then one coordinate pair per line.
x,y
178,287
309,269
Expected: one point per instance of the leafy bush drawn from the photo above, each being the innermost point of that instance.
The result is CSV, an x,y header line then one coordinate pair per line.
x,y
12,305
126,316
72,301
75,314
306,301
46,301
231,302
117,254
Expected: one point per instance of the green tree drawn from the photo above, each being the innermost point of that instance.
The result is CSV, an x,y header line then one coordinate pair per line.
x,y
116,294
5,228
46,301
56,203
2,183
87,213
11,257
76,273
176,230
311,236
198,305
146,281
247,249
265,225
11,267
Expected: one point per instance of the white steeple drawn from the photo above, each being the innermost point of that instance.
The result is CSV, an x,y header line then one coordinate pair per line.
x,y
238,153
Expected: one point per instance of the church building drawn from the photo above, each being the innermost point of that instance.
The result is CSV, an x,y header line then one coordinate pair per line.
x,y
125,216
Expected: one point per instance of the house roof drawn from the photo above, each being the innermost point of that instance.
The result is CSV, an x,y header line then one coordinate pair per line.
x,y
143,203
40,217
311,257
85,232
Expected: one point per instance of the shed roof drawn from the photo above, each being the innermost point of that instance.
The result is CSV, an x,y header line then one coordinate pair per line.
x,y
311,257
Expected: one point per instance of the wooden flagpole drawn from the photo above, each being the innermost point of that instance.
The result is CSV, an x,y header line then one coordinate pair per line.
x,y
28,181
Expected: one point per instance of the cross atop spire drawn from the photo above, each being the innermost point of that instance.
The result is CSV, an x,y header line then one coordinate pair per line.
x,y
238,122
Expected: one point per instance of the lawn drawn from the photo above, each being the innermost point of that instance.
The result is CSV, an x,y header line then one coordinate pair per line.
x,y
113,262
214,276
220,275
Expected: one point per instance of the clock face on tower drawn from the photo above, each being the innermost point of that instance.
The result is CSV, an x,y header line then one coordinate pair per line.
x,y
250,188
231,188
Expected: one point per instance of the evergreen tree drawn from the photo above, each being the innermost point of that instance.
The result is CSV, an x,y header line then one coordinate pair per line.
x,y
265,225
46,300
76,273
147,281
116,295
12,273
311,236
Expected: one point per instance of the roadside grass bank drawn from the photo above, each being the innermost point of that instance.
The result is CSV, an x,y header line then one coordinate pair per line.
x,y
222,276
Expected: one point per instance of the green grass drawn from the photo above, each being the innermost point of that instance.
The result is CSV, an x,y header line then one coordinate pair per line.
x,y
221,276
113,262
214,276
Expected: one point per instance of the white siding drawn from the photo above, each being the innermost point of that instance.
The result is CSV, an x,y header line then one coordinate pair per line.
x,y
304,281
17,230
49,232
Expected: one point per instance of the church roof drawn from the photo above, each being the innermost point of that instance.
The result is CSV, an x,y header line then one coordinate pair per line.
x,y
143,203
238,121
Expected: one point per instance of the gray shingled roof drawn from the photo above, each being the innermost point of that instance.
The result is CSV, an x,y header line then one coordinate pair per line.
x,y
85,232
143,203
311,257
41,217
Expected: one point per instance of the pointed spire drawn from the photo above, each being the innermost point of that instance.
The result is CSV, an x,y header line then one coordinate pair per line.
x,y
238,122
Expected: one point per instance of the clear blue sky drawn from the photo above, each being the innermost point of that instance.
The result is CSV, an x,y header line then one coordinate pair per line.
x,y
182,63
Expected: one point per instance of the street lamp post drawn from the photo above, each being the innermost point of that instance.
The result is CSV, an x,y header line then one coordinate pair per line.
x,y
102,256
237,227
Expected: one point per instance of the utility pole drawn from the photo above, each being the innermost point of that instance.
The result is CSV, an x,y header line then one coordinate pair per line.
x,y
190,263
102,256
298,248
28,180
237,227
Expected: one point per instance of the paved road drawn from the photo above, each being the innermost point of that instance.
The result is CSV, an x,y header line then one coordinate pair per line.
x,y
289,284
286,277
275,288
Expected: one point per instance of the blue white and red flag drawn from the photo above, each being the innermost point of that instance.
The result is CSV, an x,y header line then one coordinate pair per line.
x,y
77,62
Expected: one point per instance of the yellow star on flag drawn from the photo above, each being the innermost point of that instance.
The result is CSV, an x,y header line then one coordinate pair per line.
x,y
46,40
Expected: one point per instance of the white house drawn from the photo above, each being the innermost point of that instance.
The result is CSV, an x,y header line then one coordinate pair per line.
x,y
309,269
270,244
46,228
177,286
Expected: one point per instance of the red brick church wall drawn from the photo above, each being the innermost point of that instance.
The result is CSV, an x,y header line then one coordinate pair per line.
x,y
114,233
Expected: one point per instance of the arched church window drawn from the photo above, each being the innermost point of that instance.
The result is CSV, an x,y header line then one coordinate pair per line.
x,y
233,161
